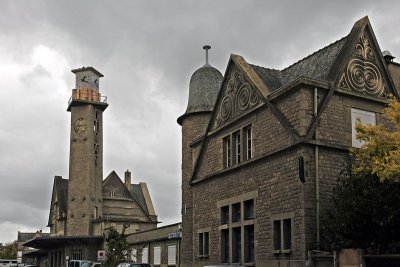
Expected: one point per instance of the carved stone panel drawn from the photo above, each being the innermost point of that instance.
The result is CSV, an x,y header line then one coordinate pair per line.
x,y
362,73
238,98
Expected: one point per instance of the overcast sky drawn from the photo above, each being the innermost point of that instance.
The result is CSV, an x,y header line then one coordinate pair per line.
x,y
147,51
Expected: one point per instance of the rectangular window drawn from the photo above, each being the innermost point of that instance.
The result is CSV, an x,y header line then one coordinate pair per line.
x,y
238,152
171,255
225,215
366,117
277,235
204,244
238,146
134,255
247,131
236,244
237,229
225,245
157,256
287,234
249,243
145,255
249,209
227,151
282,235
236,212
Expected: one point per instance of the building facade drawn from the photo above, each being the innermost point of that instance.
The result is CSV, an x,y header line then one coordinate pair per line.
x,y
84,206
259,166
158,247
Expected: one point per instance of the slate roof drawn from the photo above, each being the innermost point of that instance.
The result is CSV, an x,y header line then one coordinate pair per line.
x,y
25,236
136,191
315,66
63,195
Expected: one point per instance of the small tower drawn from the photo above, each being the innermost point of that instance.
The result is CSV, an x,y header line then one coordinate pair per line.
x,y
86,152
203,90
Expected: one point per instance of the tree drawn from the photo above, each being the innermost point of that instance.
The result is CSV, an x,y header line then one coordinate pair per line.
x,y
117,246
380,154
365,214
8,250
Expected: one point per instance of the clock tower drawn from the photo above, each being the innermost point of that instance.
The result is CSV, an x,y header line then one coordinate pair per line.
x,y
86,153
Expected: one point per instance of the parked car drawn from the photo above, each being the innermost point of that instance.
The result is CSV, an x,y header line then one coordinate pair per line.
x,y
134,265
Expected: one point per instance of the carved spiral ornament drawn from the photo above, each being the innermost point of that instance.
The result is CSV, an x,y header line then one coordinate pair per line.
x,y
226,108
362,73
239,98
243,97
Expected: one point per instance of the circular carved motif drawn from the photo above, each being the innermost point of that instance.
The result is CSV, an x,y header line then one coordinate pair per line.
x,y
226,108
243,97
364,76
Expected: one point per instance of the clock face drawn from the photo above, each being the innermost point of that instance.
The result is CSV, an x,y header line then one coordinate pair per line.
x,y
79,126
87,79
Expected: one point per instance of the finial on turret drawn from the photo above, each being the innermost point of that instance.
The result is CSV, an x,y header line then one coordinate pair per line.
x,y
206,47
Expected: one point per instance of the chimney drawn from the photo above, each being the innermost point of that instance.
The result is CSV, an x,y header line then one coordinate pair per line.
x,y
128,180
394,69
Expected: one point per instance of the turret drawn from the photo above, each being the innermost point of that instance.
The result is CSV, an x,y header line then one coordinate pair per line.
x,y
203,90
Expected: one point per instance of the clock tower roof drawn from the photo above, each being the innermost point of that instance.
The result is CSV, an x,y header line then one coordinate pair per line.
x,y
87,69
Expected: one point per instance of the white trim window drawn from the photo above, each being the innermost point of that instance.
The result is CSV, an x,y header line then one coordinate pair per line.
x,y
171,255
366,117
145,255
157,255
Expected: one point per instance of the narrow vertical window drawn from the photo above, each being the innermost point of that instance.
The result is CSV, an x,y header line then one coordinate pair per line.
x,y
225,215
282,235
238,151
227,151
249,209
236,245
204,242
248,143
157,255
236,212
171,255
225,245
145,255
201,244
249,243
287,234
277,235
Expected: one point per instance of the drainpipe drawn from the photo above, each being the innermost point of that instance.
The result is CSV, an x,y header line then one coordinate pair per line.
x,y
316,155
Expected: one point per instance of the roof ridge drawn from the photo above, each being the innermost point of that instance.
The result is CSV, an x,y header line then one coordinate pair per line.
x,y
254,65
315,52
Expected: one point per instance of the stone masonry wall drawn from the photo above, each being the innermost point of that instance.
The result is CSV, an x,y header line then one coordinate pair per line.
x,y
276,177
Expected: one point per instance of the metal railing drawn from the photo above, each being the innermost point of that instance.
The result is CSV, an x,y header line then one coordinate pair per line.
x,y
103,99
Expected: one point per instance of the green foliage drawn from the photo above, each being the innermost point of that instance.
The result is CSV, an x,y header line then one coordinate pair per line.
x,y
380,153
8,251
117,247
365,214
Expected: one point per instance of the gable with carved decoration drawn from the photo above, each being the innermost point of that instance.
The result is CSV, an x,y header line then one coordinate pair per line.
x,y
363,73
238,98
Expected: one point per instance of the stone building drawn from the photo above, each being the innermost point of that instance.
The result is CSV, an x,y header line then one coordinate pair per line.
x,y
159,247
259,166
26,254
84,206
